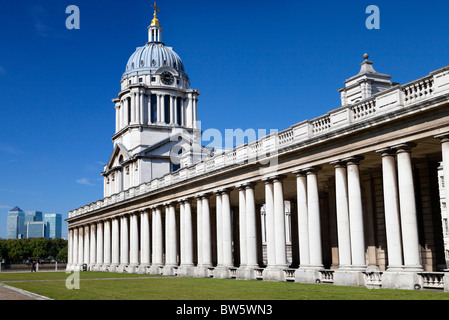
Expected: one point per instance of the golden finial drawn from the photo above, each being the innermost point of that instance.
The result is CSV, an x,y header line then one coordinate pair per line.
x,y
155,21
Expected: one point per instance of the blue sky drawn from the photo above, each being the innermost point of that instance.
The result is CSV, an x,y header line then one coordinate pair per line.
x,y
259,64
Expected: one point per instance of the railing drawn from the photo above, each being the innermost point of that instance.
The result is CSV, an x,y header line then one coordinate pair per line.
x,y
432,280
373,278
289,274
387,101
327,276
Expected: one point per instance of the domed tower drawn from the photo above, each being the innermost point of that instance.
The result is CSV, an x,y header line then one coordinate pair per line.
x,y
155,109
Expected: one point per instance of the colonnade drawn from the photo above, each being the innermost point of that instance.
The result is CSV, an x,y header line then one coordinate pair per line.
x,y
117,244
144,107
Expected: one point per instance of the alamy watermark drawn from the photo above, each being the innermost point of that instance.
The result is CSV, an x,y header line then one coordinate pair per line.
x,y
237,146
72,21
73,280
373,20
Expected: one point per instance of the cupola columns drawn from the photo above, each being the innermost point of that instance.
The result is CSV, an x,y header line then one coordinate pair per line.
x,y
155,30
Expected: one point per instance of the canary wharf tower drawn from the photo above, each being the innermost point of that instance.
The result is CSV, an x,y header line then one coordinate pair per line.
x,y
154,109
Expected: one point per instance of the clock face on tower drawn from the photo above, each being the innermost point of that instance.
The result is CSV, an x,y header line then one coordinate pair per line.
x,y
167,78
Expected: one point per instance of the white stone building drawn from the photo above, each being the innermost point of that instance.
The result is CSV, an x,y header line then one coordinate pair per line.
x,y
360,184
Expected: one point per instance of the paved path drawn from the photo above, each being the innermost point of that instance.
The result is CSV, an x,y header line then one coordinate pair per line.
x,y
11,293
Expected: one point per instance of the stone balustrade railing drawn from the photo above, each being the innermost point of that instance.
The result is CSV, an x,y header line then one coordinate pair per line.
x,y
386,102
432,280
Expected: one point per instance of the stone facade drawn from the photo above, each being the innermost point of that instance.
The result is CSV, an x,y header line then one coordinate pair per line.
x,y
362,189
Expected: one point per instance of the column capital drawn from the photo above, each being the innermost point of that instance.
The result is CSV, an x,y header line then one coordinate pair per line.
x,y
313,170
354,160
271,179
338,163
169,204
404,147
300,172
205,195
386,151
444,137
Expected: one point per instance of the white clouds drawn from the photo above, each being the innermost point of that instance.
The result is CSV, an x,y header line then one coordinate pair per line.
x,y
38,14
84,181
8,148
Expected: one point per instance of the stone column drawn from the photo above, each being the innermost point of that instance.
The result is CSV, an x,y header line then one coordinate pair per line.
x,y
341,197
75,248
115,244
80,246
251,226
269,212
313,208
159,108
86,245
107,244
303,219
134,243
145,240
187,238
391,204
170,239
227,229
242,226
100,246
407,204
445,162
199,230
279,222
219,227
124,244
206,232
157,261
70,250
358,254
162,100
93,246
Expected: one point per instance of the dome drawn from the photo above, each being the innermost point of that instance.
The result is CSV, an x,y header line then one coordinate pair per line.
x,y
149,58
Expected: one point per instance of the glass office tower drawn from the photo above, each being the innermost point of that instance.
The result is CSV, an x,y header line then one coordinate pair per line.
x,y
15,224
54,225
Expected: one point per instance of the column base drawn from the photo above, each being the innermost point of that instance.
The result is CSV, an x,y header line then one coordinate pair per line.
x,y
246,273
307,275
350,277
186,271
274,274
222,272
132,268
114,267
122,268
401,280
156,269
169,270
105,267
143,268
203,271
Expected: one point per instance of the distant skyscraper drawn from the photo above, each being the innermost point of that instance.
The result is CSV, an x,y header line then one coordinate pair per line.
x,y
15,224
36,229
54,225
31,216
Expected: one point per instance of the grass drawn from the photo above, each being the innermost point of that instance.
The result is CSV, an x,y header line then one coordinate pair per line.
x,y
53,285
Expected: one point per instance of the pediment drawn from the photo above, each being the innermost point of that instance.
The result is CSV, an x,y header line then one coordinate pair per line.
x,y
119,155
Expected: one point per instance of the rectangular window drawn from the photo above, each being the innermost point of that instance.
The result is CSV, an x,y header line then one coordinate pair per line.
x,y
140,79
178,111
153,108
167,109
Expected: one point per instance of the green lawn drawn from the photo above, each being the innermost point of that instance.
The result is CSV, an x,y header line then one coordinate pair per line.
x,y
168,288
